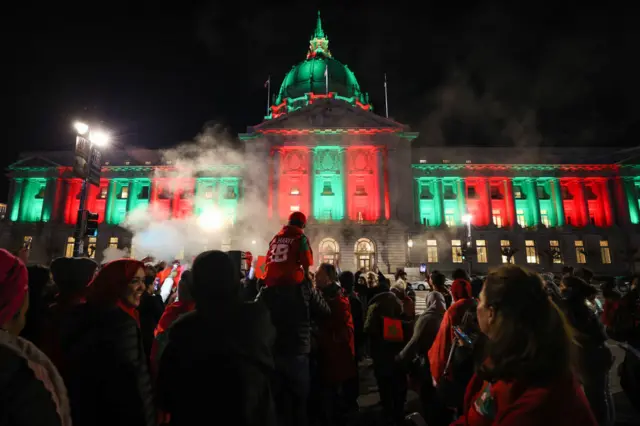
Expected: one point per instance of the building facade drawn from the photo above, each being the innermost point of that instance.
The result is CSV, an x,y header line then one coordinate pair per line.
x,y
371,198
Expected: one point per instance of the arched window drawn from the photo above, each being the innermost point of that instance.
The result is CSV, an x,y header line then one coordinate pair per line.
x,y
364,254
329,251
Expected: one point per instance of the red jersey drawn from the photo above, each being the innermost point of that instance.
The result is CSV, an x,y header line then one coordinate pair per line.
x,y
289,254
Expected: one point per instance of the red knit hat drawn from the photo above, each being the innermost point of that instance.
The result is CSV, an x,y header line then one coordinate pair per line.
x,y
14,285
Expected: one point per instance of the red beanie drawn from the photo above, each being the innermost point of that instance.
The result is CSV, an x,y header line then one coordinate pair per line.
x,y
14,285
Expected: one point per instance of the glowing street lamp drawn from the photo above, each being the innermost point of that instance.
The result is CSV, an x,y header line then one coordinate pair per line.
x,y
99,138
81,128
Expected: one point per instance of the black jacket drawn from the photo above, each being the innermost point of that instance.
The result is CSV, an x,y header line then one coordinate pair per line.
x,y
106,368
292,309
217,366
26,395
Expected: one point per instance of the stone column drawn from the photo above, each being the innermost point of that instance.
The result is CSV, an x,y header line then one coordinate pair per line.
x,y
534,203
11,203
24,203
312,183
607,203
111,197
49,198
381,183
584,203
556,196
510,202
439,201
345,183
462,204
632,199
488,210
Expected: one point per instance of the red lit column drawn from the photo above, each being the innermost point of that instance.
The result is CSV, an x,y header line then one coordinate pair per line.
x,y
385,172
621,203
605,202
488,210
311,182
154,192
380,181
510,202
56,209
584,203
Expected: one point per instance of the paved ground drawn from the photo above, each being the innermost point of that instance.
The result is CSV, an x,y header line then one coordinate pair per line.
x,y
369,399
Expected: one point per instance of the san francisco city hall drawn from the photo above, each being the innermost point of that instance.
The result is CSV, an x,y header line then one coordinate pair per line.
x,y
370,197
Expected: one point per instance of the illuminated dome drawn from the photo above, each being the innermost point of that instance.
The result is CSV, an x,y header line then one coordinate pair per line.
x,y
319,75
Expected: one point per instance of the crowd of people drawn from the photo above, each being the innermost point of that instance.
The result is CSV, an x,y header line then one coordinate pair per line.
x,y
95,345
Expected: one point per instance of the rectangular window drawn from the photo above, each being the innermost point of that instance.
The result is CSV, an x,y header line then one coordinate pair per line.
x,y
68,248
113,242
580,256
544,218
505,246
124,193
208,192
456,251
294,191
497,219
556,254
605,252
521,218
481,248
91,248
102,195
432,251
450,218
530,248
294,208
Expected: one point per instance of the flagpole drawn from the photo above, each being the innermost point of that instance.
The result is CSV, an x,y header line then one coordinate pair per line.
x,y
386,100
268,95
326,78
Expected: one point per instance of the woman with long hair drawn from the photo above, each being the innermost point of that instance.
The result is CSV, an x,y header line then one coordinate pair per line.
x,y
527,377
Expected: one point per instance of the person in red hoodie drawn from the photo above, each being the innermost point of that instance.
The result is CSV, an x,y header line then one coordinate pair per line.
x,y
462,302
527,378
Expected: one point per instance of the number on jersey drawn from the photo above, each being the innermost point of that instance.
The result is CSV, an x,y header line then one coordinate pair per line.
x,y
279,253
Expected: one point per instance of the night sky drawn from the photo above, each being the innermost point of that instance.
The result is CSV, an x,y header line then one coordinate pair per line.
x,y
462,75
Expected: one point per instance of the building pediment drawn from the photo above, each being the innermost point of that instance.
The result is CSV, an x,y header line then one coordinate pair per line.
x,y
326,114
35,162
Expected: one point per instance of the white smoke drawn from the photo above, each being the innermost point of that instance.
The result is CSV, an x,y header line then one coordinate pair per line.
x,y
113,253
211,153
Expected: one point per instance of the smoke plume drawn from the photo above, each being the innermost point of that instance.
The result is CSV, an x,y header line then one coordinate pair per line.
x,y
113,253
212,153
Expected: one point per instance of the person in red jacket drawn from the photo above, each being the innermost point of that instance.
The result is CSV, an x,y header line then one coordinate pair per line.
x,y
290,255
527,377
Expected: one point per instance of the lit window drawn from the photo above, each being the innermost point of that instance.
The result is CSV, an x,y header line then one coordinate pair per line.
x,y
605,252
497,218
423,161
294,191
580,255
103,193
180,255
68,249
456,251
505,247
544,218
113,242
208,192
481,249
530,249
294,208
446,161
432,251
556,254
360,217
521,218
124,193
91,248
147,163
450,218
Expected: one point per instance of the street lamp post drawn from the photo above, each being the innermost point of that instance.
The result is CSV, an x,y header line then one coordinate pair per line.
x,y
409,247
95,140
